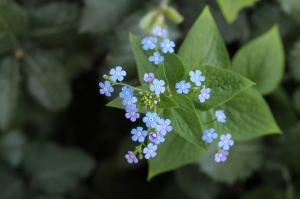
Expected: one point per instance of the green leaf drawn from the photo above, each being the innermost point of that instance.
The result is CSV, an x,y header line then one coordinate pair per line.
x,y
13,25
203,44
172,154
55,24
142,58
11,185
54,170
231,8
294,59
166,102
160,74
262,61
242,160
185,120
296,100
47,81
174,69
101,16
248,116
223,85
265,191
117,103
9,90
291,7
173,14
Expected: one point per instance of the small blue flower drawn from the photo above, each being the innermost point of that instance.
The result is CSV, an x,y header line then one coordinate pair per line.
x,y
221,156
117,74
167,45
209,135
196,77
204,95
138,134
129,101
131,113
157,86
156,58
148,77
164,126
220,116
150,151
131,157
149,42
106,88
158,31
151,119
225,141
183,87
157,139
126,92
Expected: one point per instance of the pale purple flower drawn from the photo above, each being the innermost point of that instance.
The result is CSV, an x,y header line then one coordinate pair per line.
x,y
158,31
225,141
154,137
148,77
164,126
129,101
221,156
131,113
150,150
204,95
131,157
220,116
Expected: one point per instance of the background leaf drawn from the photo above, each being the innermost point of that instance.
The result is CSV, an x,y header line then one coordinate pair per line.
x,y
231,8
166,102
183,153
253,62
243,158
174,69
47,81
9,89
291,7
55,170
294,59
248,116
224,85
203,44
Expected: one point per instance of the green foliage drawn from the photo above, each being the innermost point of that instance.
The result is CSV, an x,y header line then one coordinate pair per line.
x,y
253,62
291,7
231,8
174,69
173,14
294,59
203,45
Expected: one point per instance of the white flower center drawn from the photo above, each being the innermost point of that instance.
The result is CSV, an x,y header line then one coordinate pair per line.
x,y
132,156
167,45
127,93
149,41
105,89
154,135
203,94
156,58
164,126
151,119
220,155
117,73
208,135
196,77
132,113
158,86
182,86
129,102
220,116
150,151
225,141
138,133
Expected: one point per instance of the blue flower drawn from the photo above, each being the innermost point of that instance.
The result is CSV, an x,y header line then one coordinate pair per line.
x,y
221,156
151,119
156,58
204,95
117,74
209,135
167,45
157,86
150,150
129,101
138,134
220,116
131,157
126,92
225,141
164,126
154,137
196,77
149,42
158,31
106,88
131,113
183,87
148,77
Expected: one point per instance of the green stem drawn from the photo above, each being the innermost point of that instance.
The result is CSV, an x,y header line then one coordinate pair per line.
x,y
209,121
123,84
9,32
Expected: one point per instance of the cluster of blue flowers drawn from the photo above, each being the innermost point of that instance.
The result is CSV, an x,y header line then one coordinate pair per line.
x,y
225,140
166,45
197,79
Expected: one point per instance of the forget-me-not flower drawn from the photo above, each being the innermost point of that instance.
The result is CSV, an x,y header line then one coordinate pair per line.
x,y
150,150
204,95
196,77
106,88
167,46
117,74
221,156
131,157
148,77
183,87
129,101
220,116
126,92
149,42
156,58
163,126
151,119
156,138
209,135
225,141
138,134
157,86
158,31
131,113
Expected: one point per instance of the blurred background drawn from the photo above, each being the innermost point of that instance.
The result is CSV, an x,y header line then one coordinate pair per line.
x,y
59,141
